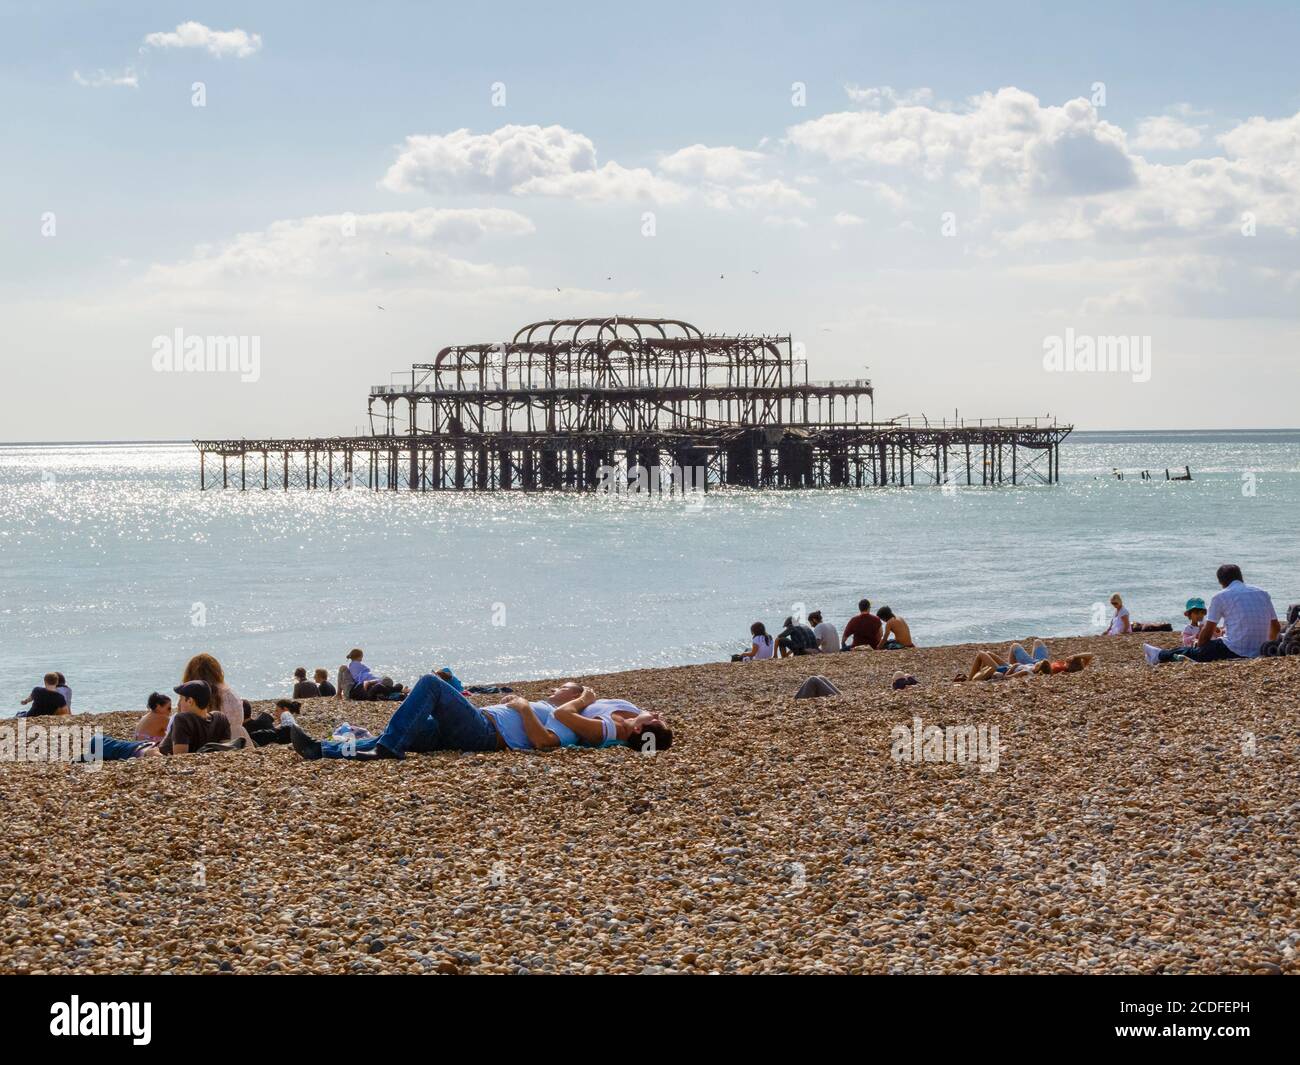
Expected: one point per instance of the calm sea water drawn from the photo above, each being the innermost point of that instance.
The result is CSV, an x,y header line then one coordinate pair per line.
x,y
114,568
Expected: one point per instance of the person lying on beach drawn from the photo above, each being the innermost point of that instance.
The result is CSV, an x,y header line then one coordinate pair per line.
x,y
195,724
153,726
262,729
1245,613
436,717
608,722
828,636
1021,663
761,646
863,630
323,685
47,700
302,687
796,639
1121,624
897,635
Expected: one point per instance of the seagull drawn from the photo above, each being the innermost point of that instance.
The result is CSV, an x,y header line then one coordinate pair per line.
x,y
377,305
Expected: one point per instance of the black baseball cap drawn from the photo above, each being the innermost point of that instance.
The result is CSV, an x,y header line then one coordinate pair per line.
x,y
197,690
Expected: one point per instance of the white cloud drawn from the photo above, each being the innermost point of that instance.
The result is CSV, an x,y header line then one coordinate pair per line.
x,y
462,161
721,166
101,79
773,195
220,43
609,182
847,218
883,97
1164,133
364,248
1006,141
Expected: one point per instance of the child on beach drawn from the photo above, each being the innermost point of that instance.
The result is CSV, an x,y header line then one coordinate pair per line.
x,y
153,726
1195,615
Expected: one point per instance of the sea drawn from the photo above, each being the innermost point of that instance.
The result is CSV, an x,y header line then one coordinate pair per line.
x,y
115,568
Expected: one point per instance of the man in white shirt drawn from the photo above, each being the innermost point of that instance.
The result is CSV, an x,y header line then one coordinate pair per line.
x,y
828,636
1248,617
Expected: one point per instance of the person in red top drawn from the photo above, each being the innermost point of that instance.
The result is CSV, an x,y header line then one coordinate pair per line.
x,y
863,630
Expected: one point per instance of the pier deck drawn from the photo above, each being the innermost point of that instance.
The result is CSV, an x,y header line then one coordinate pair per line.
x,y
583,404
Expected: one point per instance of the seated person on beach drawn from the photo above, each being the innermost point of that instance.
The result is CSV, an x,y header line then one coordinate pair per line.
x,y
1246,614
302,687
796,639
323,685
760,647
897,635
153,726
1121,624
47,701
828,636
1194,612
262,728
863,630
436,717
63,689
194,725
1021,663
364,683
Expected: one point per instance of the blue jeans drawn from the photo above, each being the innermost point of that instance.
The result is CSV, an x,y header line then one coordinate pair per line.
x,y
432,717
108,749
1214,651
1023,657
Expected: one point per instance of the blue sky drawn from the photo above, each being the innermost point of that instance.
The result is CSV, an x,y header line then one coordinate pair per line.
x,y
1124,216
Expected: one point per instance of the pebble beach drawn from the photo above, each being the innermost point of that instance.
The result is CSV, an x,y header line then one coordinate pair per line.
x,y
1138,820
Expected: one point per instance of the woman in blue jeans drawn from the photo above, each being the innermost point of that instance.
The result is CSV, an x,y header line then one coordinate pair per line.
x,y
436,717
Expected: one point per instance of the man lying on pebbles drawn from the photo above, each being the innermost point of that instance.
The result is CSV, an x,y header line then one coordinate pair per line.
x,y
436,717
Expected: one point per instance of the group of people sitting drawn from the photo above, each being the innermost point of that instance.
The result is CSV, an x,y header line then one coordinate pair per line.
x,y
882,631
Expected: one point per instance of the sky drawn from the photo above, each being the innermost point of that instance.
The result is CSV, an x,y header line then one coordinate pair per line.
x,y
947,198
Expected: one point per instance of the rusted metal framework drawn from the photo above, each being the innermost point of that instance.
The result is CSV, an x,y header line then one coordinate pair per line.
x,y
567,401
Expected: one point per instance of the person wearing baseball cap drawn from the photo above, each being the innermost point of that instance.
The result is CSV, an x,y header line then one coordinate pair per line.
x,y
193,725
